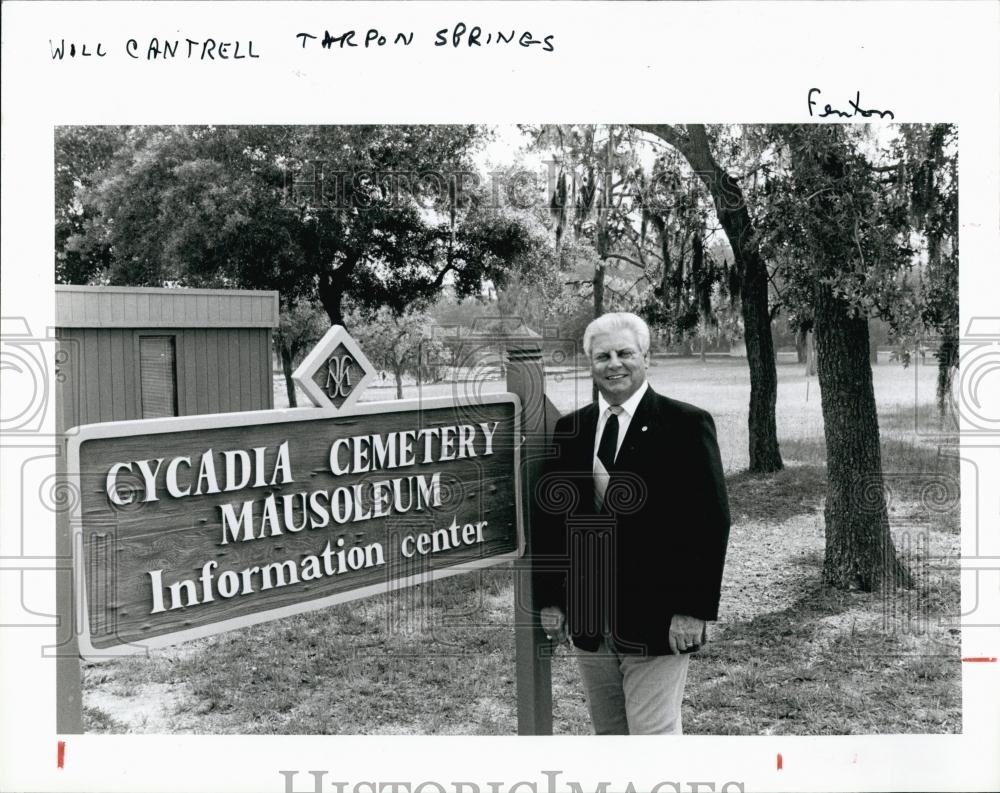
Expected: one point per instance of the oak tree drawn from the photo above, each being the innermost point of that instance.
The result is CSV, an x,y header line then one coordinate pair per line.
x,y
847,239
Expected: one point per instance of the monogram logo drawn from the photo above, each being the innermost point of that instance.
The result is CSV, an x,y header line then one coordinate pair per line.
x,y
338,376
336,372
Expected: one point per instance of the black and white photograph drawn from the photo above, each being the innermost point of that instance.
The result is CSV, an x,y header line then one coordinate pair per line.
x,y
370,423
781,293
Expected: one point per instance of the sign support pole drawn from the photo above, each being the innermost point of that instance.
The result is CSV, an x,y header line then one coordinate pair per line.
x,y
69,697
533,652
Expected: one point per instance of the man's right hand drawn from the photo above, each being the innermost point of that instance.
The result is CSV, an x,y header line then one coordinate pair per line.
x,y
554,623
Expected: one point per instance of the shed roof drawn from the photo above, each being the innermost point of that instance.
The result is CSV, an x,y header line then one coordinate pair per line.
x,y
146,307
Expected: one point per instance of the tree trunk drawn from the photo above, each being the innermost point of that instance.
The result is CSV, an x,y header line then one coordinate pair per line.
x,y
397,370
598,308
764,453
800,345
730,206
947,352
331,297
599,289
872,347
810,355
947,356
286,367
859,549
331,288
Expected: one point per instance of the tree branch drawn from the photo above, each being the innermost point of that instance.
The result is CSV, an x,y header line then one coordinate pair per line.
x,y
439,279
752,171
777,290
634,236
821,190
643,277
698,139
666,132
628,259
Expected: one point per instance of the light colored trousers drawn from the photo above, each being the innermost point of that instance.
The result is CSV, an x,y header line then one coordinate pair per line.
x,y
632,694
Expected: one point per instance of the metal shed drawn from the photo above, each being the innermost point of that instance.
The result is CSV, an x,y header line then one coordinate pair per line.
x,y
132,353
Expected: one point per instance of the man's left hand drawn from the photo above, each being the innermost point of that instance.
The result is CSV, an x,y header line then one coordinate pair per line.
x,y
686,633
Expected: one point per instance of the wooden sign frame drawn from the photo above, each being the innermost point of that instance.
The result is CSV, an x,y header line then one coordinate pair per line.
x,y
152,427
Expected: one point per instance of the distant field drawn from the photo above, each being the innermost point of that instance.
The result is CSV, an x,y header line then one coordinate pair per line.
x,y
788,657
721,385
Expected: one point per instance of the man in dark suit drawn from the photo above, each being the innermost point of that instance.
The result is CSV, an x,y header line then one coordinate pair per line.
x,y
631,534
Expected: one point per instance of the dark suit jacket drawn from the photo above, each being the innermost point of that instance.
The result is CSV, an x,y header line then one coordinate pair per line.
x,y
658,545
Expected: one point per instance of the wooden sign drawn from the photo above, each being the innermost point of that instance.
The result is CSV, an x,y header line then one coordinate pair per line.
x,y
187,527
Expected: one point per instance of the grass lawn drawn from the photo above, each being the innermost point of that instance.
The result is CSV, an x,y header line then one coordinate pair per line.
x,y
788,656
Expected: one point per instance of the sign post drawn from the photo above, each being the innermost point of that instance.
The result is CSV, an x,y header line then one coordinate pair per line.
x,y
526,379
69,687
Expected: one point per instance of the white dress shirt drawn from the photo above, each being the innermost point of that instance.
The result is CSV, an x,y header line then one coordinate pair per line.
x,y
629,406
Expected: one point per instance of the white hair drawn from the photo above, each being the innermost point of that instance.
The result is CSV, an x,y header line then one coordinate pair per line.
x,y
617,321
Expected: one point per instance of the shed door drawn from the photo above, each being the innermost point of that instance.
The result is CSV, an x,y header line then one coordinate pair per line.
x,y
158,374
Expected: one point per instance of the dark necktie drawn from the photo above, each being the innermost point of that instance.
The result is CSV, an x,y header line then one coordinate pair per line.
x,y
609,442
606,457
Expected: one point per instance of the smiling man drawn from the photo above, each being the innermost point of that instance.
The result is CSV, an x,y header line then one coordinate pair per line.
x,y
630,542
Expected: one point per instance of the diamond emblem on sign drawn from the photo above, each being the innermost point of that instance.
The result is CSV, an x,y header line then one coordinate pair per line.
x,y
335,372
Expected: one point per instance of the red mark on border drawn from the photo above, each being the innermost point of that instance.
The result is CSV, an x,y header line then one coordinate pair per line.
x,y
780,761
60,753
979,660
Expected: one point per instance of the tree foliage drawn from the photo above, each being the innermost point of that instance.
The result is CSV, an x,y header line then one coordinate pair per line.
x,y
593,197
699,146
81,155
694,287
301,325
831,220
405,343
380,213
928,172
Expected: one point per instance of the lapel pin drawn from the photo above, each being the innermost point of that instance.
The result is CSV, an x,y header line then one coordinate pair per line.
x,y
644,428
